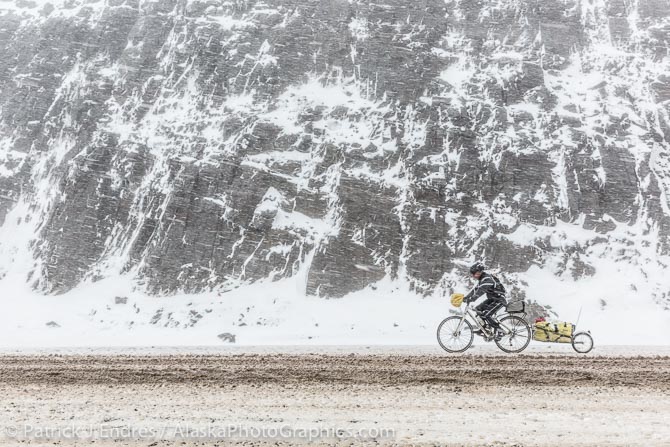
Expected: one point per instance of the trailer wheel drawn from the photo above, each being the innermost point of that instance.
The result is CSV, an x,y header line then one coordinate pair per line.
x,y
582,342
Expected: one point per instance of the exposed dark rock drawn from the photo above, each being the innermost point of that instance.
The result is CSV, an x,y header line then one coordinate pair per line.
x,y
535,310
201,145
227,337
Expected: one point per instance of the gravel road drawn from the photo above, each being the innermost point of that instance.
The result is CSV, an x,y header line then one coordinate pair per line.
x,y
334,398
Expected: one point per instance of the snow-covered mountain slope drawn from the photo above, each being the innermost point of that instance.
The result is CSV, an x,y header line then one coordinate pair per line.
x,y
335,148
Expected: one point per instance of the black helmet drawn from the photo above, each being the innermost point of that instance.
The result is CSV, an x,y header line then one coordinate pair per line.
x,y
476,267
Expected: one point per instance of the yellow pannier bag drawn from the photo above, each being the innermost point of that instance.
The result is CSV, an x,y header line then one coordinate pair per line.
x,y
542,324
552,332
540,335
558,338
542,331
457,299
565,329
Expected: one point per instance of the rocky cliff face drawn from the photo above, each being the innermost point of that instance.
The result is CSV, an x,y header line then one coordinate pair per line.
x,y
197,145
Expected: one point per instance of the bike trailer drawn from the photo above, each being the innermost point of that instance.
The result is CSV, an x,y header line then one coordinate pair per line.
x,y
553,332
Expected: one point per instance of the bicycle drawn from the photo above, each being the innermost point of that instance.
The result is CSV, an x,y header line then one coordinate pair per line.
x,y
455,334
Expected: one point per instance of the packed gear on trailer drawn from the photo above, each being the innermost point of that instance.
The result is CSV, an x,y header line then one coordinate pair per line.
x,y
557,332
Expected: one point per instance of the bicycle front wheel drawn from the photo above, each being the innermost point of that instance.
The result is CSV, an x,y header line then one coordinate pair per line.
x,y
455,334
517,334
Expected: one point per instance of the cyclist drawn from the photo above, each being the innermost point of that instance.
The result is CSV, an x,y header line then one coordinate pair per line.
x,y
490,286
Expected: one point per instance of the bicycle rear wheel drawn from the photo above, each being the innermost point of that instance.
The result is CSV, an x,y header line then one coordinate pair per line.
x,y
452,338
517,336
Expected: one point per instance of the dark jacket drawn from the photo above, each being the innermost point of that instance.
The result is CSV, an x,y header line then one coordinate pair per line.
x,y
489,285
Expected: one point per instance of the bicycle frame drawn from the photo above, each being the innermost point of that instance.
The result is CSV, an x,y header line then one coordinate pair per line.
x,y
470,312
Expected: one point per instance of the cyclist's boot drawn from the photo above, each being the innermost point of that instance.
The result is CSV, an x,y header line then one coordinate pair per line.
x,y
481,321
487,333
496,331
